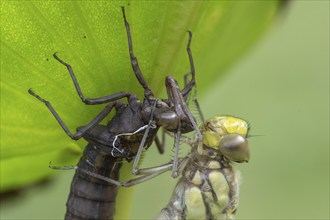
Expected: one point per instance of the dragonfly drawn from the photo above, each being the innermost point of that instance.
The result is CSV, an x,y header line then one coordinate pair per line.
x,y
132,129
209,185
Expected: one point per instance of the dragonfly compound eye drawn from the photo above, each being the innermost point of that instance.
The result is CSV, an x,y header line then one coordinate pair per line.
x,y
235,148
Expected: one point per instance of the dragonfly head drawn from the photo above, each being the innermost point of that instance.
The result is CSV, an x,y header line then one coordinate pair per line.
x,y
228,135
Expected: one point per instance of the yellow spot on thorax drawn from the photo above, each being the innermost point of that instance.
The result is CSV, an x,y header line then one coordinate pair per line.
x,y
197,179
213,164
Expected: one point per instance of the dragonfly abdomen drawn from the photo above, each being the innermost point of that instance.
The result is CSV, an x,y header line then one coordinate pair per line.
x,y
202,193
92,198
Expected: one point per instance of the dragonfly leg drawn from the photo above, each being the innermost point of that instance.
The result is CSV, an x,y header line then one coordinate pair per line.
x,y
135,171
160,144
189,85
176,151
134,61
155,172
149,173
192,84
175,96
232,180
195,100
186,96
184,139
107,109
90,101
98,176
146,174
62,167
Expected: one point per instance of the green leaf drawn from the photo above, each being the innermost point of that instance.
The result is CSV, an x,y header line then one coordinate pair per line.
x,y
90,35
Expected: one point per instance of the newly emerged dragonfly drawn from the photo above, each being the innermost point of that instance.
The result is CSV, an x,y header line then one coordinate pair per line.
x,y
133,128
209,185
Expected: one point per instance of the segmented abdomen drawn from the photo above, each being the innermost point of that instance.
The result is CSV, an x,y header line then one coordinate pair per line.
x,y
92,198
203,192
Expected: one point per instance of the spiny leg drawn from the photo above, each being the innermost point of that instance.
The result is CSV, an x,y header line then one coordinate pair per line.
x,y
107,109
145,174
186,81
134,61
160,144
176,98
135,171
183,138
233,182
181,108
177,137
192,84
91,101
188,87
149,174
61,167
195,100
191,61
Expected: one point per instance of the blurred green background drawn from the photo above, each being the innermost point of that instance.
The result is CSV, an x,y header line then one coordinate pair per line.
x,y
282,88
